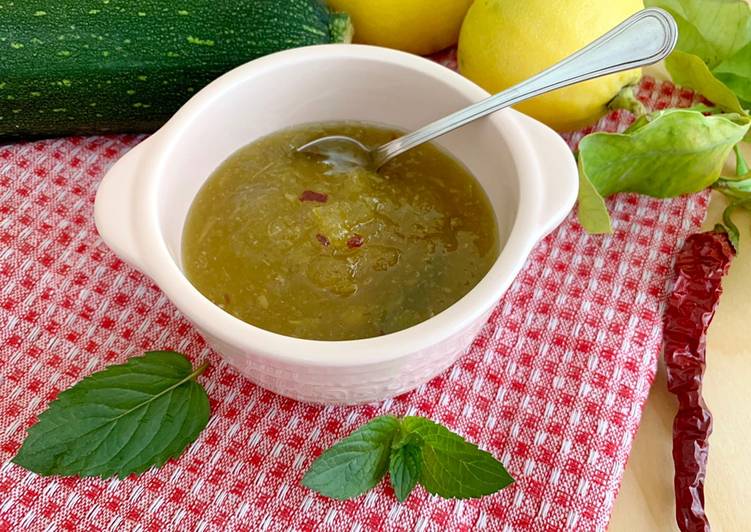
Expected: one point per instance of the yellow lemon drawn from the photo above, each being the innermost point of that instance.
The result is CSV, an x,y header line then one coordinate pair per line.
x,y
503,42
417,26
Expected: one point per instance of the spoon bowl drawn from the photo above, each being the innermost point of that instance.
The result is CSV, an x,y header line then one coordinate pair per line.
x,y
341,152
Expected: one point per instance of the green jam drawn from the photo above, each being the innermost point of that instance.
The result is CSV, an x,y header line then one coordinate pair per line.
x,y
280,241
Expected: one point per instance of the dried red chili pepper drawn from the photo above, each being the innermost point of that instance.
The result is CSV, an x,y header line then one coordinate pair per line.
x,y
699,266
322,239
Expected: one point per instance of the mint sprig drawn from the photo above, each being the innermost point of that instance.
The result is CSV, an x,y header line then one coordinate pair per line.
x,y
416,451
121,420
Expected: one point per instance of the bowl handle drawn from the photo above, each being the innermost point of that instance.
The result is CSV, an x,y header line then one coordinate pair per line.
x,y
114,207
560,176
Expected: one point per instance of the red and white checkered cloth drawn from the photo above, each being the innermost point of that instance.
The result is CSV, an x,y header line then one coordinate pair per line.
x,y
554,385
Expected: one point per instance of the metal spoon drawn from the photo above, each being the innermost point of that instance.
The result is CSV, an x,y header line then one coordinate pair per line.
x,y
645,38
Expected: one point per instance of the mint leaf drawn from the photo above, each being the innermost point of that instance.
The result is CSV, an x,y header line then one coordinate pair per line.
x,y
119,421
711,29
355,464
452,467
404,469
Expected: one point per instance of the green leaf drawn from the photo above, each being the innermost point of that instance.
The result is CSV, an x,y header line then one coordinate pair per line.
x,y
737,190
730,184
414,450
705,109
592,212
626,99
713,54
711,29
741,201
735,72
673,152
404,469
689,70
734,235
119,421
741,166
740,183
355,464
732,232
452,467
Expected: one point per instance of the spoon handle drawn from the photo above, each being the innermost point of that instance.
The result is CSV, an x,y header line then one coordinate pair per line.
x,y
645,38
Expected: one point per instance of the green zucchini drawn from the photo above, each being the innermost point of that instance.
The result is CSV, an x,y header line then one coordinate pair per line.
x,y
74,67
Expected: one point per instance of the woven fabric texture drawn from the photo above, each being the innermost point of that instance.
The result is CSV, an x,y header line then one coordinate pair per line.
x,y
553,386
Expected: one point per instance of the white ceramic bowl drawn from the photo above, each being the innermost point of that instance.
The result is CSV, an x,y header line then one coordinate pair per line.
x,y
526,169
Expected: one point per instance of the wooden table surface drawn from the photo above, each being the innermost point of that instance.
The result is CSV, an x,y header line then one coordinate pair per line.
x,y
645,502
